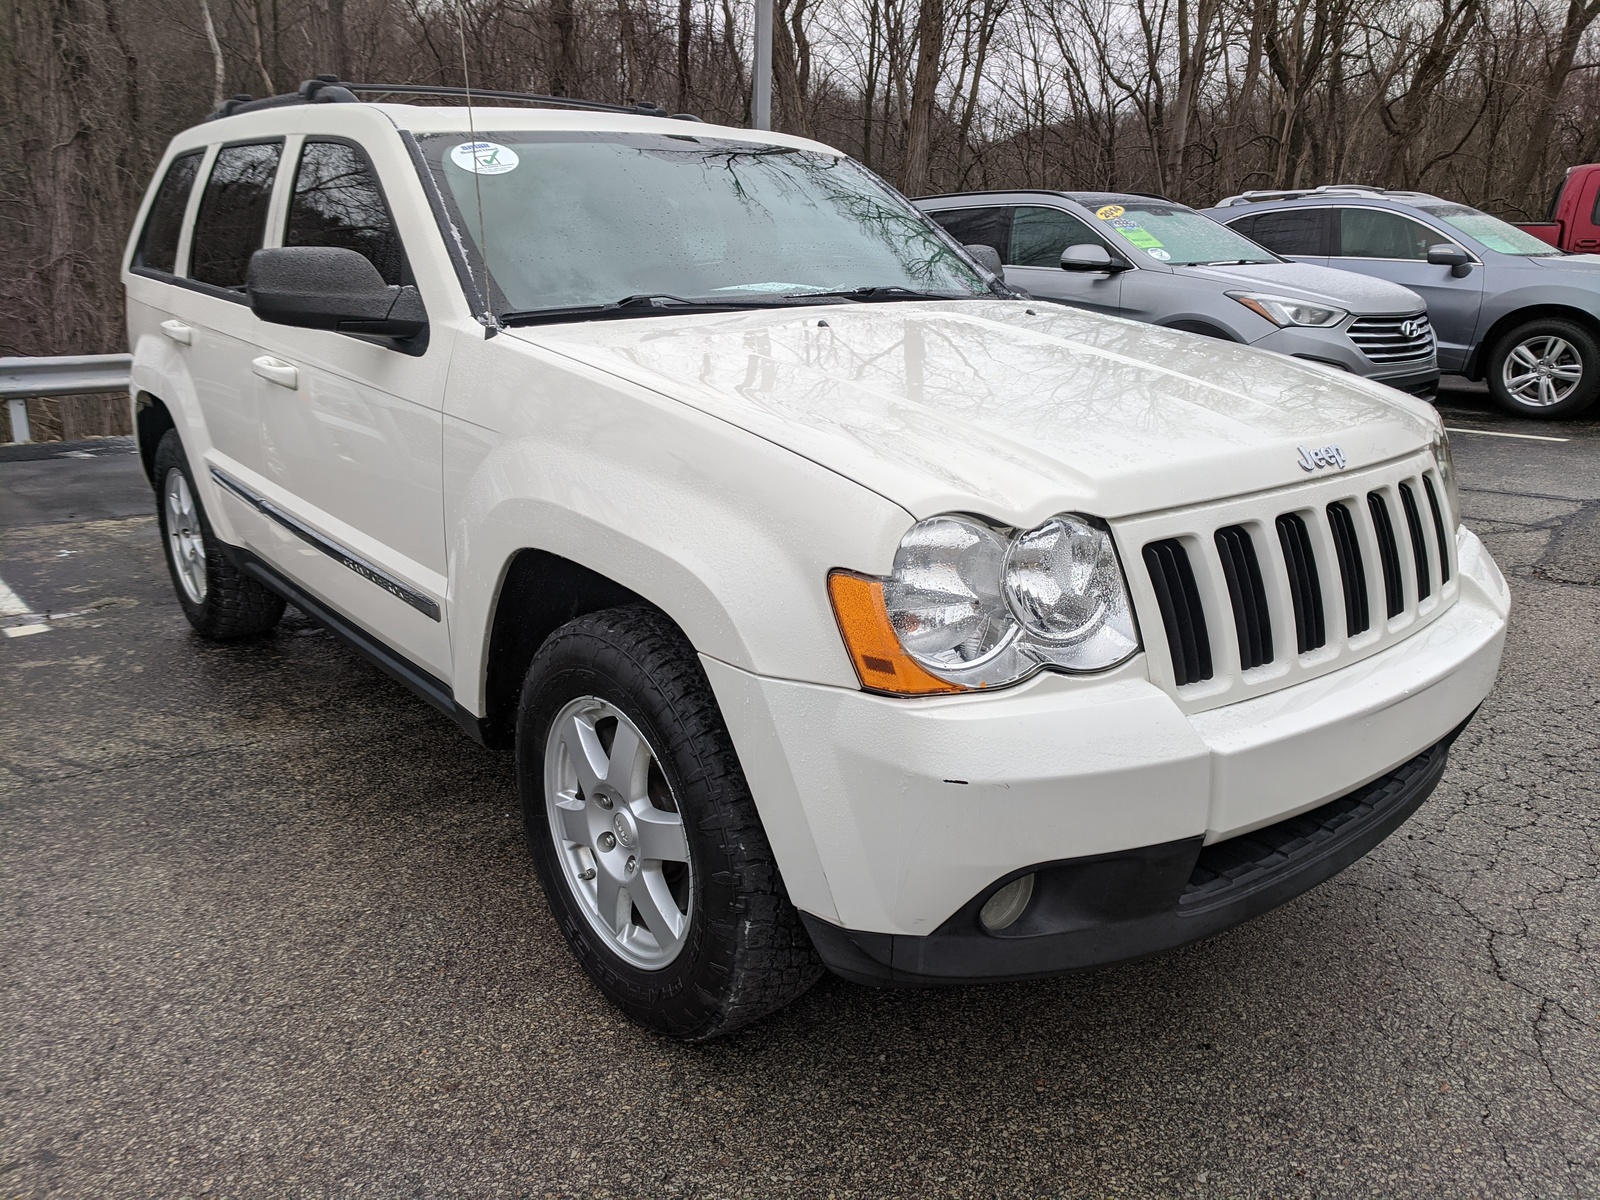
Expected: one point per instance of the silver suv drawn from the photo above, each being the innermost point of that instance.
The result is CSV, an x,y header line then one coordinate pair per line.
x,y
1161,262
1506,306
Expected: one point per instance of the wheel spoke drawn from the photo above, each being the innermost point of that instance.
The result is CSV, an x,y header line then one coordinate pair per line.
x,y
629,762
662,837
573,815
584,751
653,899
1525,355
1572,371
611,904
1547,392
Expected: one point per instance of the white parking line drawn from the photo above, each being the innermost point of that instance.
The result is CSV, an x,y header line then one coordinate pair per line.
x,y
1527,437
11,604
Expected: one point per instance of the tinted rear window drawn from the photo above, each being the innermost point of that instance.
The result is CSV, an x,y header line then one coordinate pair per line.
x,y
1292,231
233,214
978,227
158,241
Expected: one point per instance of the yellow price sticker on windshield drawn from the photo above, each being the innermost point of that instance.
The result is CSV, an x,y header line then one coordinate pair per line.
x,y
1109,211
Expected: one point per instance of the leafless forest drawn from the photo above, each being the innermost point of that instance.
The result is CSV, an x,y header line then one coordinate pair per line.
x,y
1485,100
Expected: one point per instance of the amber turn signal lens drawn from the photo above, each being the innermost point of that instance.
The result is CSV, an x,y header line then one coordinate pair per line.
x,y
881,665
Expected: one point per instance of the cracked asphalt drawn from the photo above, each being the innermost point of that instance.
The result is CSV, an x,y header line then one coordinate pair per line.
x,y
268,928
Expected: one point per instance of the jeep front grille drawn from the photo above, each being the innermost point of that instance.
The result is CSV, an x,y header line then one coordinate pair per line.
x,y
1350,563
1393,339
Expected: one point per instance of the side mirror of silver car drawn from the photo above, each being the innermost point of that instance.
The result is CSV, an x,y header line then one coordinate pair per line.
x,y
1454,257
1090,257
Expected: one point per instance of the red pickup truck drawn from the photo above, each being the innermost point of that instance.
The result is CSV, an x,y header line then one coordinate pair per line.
x,y
1574,224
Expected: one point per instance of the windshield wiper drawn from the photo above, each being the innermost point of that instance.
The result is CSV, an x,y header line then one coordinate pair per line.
x,y
645,304
880,292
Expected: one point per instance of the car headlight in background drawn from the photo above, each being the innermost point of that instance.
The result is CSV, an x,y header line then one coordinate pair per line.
x,y
1447,474
1281,310
972,604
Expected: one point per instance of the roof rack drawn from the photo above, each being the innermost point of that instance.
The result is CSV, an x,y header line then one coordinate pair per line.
x,y
330,89
1326,189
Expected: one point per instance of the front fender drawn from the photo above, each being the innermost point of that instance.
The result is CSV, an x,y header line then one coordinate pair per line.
x,y
729,534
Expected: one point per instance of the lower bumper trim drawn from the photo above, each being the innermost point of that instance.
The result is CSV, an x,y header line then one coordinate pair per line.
x,y
1109,908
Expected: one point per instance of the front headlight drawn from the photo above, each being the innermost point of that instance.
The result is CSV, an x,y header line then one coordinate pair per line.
x,y
971,604
1281,310
1447,474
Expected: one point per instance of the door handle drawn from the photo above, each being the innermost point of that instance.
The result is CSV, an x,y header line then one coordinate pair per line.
x,y
276,371
178,332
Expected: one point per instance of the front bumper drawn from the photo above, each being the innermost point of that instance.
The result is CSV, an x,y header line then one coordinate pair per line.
x,y
894,817
1109,908
1333,347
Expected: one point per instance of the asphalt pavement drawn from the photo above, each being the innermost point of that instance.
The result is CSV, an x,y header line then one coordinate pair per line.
x,y
268,928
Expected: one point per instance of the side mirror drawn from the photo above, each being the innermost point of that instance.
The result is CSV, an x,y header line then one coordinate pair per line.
x,y
329,287
1090,256
1454,257
988,258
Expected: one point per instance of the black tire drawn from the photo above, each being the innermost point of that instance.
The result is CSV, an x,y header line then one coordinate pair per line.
x,y
232,605
1580,338
745,952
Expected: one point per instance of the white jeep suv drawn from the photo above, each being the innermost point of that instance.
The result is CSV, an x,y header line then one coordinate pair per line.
x,y
842,606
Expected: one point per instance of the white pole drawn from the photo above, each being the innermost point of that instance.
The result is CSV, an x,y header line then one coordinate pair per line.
x,y
761,102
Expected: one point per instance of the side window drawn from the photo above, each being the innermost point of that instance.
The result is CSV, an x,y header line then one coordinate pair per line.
x,y
1373,233
233,214
336,202
1290,231
978,227
158,241
1039,235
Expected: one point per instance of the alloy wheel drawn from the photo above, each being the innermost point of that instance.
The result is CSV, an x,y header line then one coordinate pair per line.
x,y
1542,371
618,834
185,544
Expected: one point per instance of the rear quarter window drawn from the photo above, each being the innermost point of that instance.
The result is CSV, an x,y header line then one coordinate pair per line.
x,y
232,220
158,240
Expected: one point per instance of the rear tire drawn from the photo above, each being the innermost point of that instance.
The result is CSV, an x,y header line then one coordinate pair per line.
x,y
1547,369
221,603
621,750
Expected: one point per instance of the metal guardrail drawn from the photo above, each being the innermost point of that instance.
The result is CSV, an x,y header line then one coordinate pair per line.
x,y
22,379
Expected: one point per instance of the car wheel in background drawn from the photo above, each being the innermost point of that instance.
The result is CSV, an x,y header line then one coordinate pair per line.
x,y
220,602
1546,368
639,818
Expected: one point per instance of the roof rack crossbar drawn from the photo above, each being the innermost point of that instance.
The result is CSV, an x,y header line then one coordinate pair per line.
x,y
326,89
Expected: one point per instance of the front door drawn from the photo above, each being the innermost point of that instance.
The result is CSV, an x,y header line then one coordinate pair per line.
x,y
1039,234
351,430
1389,245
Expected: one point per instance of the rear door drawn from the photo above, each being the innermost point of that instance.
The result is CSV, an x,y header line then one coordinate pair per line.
x,y
1039,233
351,427
1394,246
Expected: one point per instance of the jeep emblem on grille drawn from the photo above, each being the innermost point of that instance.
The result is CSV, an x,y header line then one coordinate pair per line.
x,y
1412,328
1323,456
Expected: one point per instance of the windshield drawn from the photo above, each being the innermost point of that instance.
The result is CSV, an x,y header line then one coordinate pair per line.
x,y
1170,233
585,219
1490,232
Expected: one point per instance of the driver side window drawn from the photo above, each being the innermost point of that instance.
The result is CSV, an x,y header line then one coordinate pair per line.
x,y
1039,235
1373,233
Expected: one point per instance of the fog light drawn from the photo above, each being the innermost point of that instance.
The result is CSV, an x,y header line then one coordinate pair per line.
x,y
1003,908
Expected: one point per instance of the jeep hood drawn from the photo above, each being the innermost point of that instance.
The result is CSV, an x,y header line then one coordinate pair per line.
x,y
1360,294
1005,408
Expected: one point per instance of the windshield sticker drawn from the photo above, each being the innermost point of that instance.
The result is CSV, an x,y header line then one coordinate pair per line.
x,y
1159,254
1140,237
484,158
1109,211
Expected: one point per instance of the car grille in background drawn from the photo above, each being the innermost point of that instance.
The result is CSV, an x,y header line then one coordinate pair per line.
x,y
1182,614
1305,588
1249,595
1356,531
1393,339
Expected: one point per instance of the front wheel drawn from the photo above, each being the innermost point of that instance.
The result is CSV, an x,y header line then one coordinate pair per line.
x,y
652,856
1547,368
